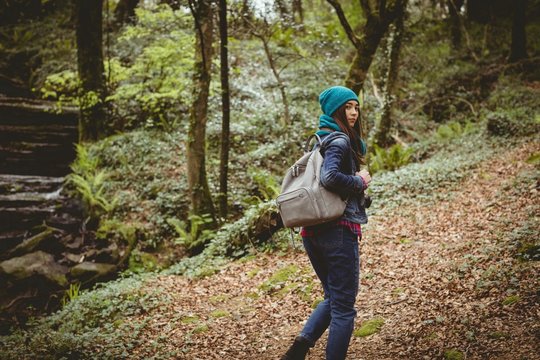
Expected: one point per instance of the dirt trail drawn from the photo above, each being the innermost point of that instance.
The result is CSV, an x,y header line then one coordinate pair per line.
x,y
442,276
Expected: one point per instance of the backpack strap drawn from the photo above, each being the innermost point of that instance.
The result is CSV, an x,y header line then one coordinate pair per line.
x,y
308,141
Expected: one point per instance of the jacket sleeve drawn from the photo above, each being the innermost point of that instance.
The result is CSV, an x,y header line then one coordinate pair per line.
x,y
331,176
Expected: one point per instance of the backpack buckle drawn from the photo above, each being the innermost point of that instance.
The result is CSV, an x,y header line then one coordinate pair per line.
x,y
295,171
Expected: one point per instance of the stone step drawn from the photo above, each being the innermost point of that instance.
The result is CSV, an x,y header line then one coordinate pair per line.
x,y
24,199
10,183
24,218
33,167
53,133
21,111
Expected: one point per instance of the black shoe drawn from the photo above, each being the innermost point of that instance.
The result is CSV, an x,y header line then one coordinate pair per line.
x,y
298,349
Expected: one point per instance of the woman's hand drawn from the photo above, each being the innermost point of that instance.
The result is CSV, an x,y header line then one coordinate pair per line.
x,y
364,174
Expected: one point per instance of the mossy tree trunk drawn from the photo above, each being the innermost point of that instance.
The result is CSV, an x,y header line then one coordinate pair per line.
x,y
201,200
382,133
379,15
225,101
89,33
518,48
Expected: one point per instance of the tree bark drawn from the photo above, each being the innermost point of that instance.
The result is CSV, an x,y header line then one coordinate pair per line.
x,y
454,8
382,134
89,33
518,48
125,12
225,101
280,83
201,201
379,15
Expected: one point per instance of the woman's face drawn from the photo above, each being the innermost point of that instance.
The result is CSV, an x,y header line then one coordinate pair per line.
x,y
352,111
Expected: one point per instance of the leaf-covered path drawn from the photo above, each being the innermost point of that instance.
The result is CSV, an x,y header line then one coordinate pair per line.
x,y
445,276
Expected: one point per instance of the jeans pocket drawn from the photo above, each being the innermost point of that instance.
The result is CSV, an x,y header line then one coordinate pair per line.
x,y
331,238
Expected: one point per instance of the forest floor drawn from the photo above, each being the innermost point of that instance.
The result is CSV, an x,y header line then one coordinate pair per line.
x,y
443,275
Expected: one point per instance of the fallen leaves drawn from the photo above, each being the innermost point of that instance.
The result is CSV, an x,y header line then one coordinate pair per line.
x,y
443,276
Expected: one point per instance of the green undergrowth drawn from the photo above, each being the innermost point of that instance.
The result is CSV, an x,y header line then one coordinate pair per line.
x,y
433,178
233,240
107,317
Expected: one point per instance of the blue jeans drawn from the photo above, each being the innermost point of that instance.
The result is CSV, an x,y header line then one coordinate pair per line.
x,y
333,253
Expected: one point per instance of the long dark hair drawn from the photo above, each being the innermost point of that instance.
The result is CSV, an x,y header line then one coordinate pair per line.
x,y
353,133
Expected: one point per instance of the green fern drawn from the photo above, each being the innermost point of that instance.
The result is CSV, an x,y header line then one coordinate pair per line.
x,y
191,236
389,159
91,190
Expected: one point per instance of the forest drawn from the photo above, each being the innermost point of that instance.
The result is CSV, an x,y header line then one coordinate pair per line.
x,y
143,144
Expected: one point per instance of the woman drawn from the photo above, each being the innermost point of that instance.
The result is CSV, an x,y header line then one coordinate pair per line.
x,y
333,247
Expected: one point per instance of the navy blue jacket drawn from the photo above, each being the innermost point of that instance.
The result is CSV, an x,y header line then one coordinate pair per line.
x,y
337,175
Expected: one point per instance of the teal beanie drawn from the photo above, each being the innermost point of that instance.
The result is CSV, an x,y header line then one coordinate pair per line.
x,y
334,97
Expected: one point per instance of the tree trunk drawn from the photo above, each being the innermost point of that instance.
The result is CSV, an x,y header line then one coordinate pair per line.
x,y
125,12
454,8
201,201
225,101
88,18
382,135
518,48
373,33
298,11
379,15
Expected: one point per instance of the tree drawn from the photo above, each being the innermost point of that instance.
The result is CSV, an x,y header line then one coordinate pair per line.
x,y
265,31
379,15
89,33
518,47
454,8
225,101
382,133
125,12
201,201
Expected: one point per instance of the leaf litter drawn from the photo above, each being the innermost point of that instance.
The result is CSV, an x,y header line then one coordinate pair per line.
x,y
442,278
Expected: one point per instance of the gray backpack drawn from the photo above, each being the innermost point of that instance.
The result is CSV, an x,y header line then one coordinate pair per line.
x,y
303,201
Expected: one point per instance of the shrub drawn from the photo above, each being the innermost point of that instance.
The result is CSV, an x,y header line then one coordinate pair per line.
x,y
513,122
389,159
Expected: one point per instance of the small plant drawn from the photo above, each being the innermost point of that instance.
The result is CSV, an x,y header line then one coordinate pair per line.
x,y
453,129
91,190
266,183
192,236
369,327
89,183
453,354
510,300
71,293
390,159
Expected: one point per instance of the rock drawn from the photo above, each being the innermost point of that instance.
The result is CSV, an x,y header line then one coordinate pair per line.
x,y
73,258
39,264
30,244
89,271
109,254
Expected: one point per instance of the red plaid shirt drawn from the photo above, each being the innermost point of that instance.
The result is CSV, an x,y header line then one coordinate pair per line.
x,y
313,230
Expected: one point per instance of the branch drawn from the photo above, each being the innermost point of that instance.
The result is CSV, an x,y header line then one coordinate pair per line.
x,y
346,26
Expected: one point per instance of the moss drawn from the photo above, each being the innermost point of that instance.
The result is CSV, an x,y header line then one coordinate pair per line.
x,y
253,272
316,302
453,354
220,313
498,335
512,299
218,298
200,329
279,279
189,319
140,261
369,327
